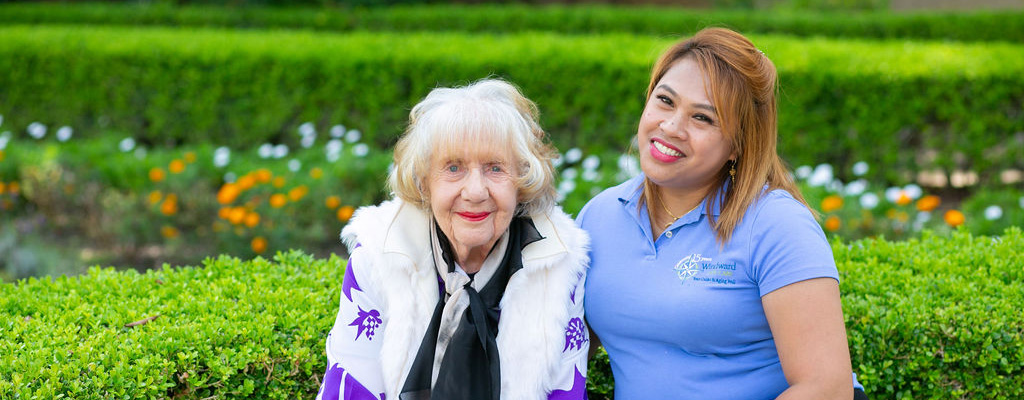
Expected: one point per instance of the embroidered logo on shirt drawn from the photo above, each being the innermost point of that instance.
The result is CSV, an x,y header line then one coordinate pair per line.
x,y
696,268
689,266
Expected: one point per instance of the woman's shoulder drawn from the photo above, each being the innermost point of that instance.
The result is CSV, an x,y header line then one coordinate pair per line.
x,y
387,221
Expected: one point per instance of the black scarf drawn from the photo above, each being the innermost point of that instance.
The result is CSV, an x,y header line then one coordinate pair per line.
x,y
470,369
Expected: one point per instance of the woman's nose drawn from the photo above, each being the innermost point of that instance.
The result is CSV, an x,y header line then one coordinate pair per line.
x,y
475,188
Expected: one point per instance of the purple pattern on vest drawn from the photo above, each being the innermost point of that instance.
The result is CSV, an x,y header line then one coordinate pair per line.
x,y
349,281
353,389
367,321
575,335
578,391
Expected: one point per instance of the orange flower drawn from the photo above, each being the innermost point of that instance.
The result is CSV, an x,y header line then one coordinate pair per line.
x,y
316,173
344,213
224,212
190,157
832,223
263,175
227,193
246,182
928,203
278,200
157,174
2,186
333,202
831,203
258,244
176,167
13,187
252,219
903,199
237,215
169,232
297,193
954,218
279,182
155,197
170,205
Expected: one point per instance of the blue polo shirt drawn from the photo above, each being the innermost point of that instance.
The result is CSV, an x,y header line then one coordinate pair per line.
x,y
681,316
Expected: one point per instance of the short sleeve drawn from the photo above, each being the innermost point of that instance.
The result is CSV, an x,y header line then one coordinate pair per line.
x,y
786,244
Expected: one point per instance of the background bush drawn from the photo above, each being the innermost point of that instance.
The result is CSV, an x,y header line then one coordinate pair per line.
x,y
793,18
935,317
931,106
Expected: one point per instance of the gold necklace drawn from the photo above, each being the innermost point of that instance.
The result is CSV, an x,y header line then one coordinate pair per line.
x,y
663,207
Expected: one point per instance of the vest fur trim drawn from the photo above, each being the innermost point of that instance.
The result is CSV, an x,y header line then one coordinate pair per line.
x,y
397,266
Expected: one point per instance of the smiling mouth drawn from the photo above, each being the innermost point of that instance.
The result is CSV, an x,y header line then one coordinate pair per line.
x,y
474,216
665,149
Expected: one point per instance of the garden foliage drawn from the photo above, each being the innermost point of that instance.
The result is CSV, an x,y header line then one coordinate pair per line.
x,y
934,317
929,105
1007,26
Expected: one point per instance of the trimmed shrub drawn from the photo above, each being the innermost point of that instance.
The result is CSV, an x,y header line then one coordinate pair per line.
x,y
931,106
1003,25
935,317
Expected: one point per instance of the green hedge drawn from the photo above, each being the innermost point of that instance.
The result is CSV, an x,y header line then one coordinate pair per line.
x,y
589,19
936,317
928,105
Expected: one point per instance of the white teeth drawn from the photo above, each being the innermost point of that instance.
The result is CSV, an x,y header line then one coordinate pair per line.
x,y
667,151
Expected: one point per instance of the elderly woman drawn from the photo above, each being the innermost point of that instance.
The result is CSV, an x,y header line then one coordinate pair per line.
x,y
469,284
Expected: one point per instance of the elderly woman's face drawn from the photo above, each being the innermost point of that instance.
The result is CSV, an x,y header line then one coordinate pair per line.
x,y
473,196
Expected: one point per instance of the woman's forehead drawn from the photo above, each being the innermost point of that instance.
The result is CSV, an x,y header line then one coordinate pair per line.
x,y
473,146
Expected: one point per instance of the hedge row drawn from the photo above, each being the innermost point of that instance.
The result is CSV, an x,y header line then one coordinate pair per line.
x,y
929,105
936,317
590,19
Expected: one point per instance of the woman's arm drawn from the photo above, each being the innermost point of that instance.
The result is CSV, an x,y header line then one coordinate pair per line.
x,y
806,319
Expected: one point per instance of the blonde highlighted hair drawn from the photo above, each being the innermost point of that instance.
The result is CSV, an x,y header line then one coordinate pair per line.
x,y
742,84
492,115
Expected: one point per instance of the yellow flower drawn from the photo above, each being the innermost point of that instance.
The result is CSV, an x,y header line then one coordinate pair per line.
x,y
316,173
278,200
224,212
903,199
246,182
928,203
333,202
170,205
190,157
169,232
155,197
832,223
176,167
279,182
258,244
156,174
297,193
227,193
954,218
237,215
252,219
831,203
263,175
2,187
344,213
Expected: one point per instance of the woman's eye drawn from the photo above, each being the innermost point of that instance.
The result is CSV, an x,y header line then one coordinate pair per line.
x,y
495,168
664,99
453,168
704,118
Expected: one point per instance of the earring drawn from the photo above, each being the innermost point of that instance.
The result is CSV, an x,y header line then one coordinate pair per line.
x,y
732,171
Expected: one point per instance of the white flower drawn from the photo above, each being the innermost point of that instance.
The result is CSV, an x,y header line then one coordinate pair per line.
x,y
912,191
923,216
126,145
869,200
221,157
230,177
591,163
566,187
835,186
280,151
266,150
860,168
6,137
64,133
856,187
334,149
893,193
573,155
993,212
294,165
360,150
307,129
804,171
337,131
307,141
1019,201
821,176
628,167
140,152
391,168
570,174
1,119
591,175
353,136
36,130
557,161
